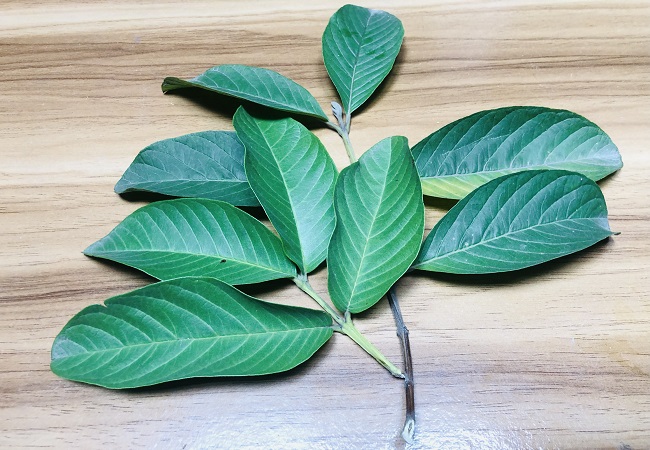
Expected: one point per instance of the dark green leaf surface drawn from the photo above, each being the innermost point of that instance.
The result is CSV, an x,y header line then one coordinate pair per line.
x,y
196,237
293,176
209,164
517,221
467,153
379,225
183,328
257,85
359,49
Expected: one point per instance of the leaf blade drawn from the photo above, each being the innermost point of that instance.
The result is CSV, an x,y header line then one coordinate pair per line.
x,y
196,237
262,86
379,225
207,164
517,221
473,150
184,328
360,46
293,176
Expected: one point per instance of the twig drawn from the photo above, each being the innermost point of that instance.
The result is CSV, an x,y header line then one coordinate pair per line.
x,y
342,127
403,334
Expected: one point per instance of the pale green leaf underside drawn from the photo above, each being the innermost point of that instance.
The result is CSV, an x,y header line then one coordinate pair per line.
x,y
471,151
196,237
293,176
254,84
209,164
517,221
359,49
379,225
183,328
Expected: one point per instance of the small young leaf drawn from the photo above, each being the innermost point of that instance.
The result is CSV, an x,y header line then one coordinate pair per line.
x,y
517,221
379,225
183,328
471,151
293,176
196,237
209,164
262,86
359,49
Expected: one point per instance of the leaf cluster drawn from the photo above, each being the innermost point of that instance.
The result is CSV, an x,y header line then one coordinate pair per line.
x,y
525,178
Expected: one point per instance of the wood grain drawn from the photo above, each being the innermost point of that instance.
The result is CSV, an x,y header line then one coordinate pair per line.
x,y
553,357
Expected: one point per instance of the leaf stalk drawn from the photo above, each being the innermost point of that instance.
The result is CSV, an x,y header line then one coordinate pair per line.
x,y
353,333
345,326
303,284
343,129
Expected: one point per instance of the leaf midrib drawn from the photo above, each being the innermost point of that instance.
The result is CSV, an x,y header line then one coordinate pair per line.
x,y
284,183
509,170
356,60
202,255
238,94
256,97
164,342
374,217
415,266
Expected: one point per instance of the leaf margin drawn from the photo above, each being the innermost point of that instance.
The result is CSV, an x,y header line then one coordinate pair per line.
x,y
130,299
309,108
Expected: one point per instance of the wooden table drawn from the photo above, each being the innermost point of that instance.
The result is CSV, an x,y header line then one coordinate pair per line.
x,y
552,357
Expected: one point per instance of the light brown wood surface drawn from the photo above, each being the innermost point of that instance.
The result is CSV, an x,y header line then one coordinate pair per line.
x,y
552,357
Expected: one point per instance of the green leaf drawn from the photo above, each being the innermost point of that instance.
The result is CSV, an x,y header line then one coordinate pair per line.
x,y
379,225
517,221
257,85
209,164
196,237
293,176
359,49
183,328
471,151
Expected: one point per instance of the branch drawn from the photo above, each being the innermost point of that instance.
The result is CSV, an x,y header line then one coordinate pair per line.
x,y
342,127
403,334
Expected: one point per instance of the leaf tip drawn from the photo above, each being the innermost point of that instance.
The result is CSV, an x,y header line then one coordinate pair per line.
x,y
121,186
92,249
171,83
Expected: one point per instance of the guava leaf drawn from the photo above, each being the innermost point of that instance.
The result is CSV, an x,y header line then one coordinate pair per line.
x,y
360,46
293,176
209,164
517,221
471,151
183,328
196,237
254,84
379,225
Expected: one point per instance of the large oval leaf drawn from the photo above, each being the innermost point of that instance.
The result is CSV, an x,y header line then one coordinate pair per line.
x,y
196,237
379,225
257,85
517,221
293,176
359,49
183,328
471,151
209,164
